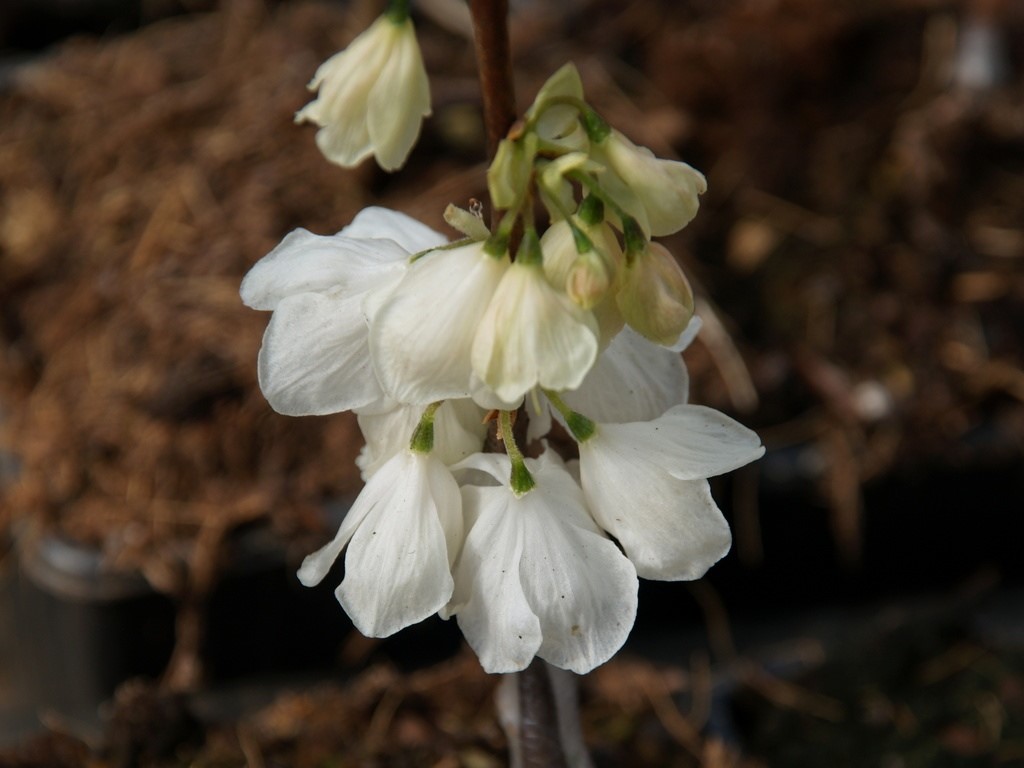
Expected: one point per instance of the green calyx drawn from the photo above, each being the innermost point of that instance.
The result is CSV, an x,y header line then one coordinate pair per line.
x,y
530,253
583,243
398,11
423,436
595,126
497,244
581,427
591,210
521,481
636,240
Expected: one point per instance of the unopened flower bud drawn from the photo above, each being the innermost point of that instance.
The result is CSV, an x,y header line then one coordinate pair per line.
x,y
588,280
510,171
579,274
654,295
660,194
555,110
372,98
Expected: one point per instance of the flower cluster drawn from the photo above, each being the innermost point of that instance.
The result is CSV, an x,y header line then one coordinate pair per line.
x,y
434,344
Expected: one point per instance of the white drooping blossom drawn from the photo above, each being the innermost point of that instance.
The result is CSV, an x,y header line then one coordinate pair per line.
x,y
372,98
536,576
315,355
422,335
438,347
646,484
403,533
531,334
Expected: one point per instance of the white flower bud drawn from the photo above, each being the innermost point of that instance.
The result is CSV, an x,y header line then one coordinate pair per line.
x,y
373,97
660,194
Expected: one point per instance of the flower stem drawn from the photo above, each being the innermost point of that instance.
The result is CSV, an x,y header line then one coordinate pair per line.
x,y
581,427
521,480
490,36
540,739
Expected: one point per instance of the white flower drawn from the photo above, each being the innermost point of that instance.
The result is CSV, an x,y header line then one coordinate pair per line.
x,y
532,334
422,334
315,359
403,533
660,194
536,575
645,483
632,380
373,97
459,431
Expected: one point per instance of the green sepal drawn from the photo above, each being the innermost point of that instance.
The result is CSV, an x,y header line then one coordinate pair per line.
x,y
423,437
398,11
597,129
521,480
581,427
591,210
583,243
633,235
529,252
496,245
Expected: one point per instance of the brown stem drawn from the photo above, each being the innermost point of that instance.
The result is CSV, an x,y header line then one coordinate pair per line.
x,y
539,738
490,36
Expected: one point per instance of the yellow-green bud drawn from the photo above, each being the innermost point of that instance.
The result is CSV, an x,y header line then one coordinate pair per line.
x,y
511,169
654,295
588,280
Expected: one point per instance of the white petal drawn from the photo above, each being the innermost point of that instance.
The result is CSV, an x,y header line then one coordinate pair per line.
x,y
372,97
304,262
582,588
459,431
316,566
492,610
421,335
481,466
632,380
397,564
383,223
531,334
314,359
689,442
688,335
345,82
644,484
670,529
537,576
538,411
400,99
